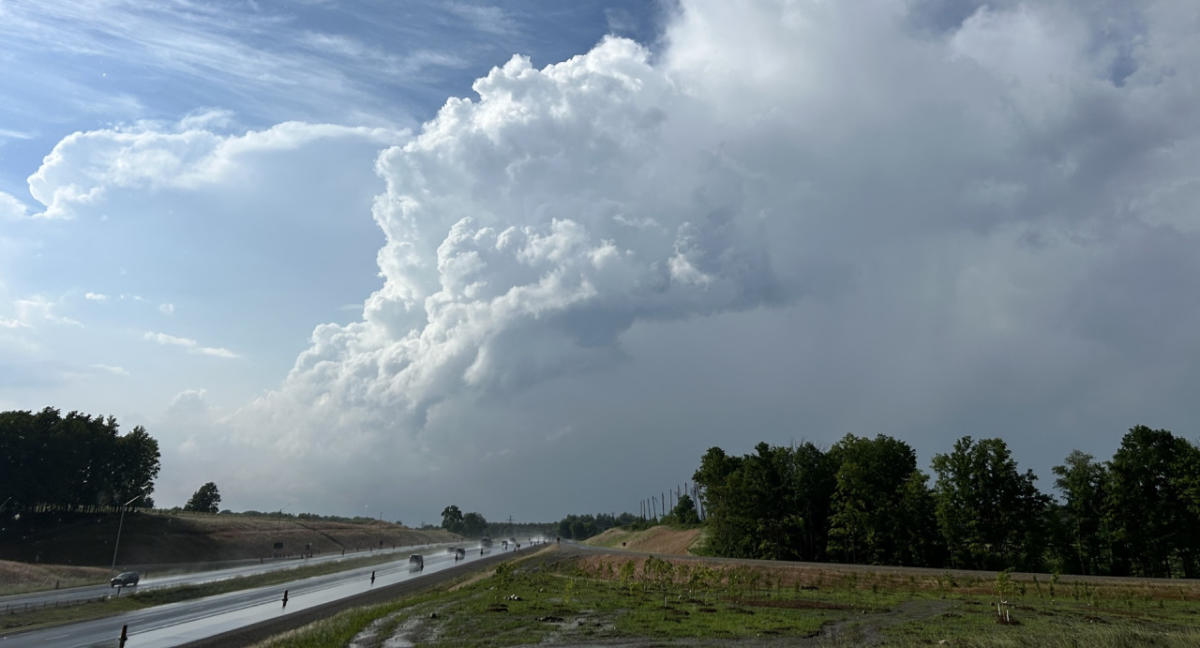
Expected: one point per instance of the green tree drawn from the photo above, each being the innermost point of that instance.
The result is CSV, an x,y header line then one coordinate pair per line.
x,y
918,542
473,524
772,504
990,515
1151,504
715,468
47,458
877,485
685,511
135,465
206,499
1084,485
452,519
812,479
731,529
763,481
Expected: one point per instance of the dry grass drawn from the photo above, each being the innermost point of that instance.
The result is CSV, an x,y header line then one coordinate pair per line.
x,y
658,539
570,597
151,538
17,577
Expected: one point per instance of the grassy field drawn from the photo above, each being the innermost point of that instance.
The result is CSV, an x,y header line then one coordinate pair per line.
x,y
150,538
18,577
657,539
559,599
19,620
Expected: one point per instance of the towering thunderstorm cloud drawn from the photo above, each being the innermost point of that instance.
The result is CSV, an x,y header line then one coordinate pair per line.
x,y
912,219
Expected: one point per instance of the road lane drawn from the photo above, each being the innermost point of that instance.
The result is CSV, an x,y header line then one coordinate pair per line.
x,y
186,621
153,581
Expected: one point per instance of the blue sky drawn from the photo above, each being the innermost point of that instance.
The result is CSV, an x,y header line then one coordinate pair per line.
x,y
536,258
233,66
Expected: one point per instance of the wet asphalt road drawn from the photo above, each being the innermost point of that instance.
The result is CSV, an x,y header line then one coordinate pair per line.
x,y
188,621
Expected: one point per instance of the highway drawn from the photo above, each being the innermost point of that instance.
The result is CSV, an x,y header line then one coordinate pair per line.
x,y
190,621
150,580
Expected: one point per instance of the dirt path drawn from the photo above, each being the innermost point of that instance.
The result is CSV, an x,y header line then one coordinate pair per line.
x,y
867,630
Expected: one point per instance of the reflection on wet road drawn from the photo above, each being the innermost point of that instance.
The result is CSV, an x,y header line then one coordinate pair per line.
x,y
177,623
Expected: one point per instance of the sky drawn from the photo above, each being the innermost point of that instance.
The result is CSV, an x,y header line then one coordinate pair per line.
x,y
534,258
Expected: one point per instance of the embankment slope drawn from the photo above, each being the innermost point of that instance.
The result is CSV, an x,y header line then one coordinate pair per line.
x,y
160,538
657,539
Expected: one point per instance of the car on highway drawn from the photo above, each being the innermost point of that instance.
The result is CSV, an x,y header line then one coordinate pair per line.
x,y
416,561
125,579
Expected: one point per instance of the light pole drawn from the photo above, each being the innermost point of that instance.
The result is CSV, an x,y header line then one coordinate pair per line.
x,y
117,544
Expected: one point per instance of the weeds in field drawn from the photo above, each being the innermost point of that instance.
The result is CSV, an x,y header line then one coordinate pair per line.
x,y
597,600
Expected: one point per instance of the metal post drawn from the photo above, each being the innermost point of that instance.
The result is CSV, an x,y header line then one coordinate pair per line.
x,y
121,525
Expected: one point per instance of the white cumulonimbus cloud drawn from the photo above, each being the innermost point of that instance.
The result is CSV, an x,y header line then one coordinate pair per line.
x,y
937,207
791,220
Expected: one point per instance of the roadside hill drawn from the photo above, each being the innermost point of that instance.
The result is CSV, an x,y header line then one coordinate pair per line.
x,y
17,577
657,539
158,538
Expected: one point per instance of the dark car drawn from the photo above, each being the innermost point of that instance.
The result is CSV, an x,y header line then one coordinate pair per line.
x,y
416,561
124,579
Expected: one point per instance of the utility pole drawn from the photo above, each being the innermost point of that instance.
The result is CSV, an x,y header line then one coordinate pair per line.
x,y
120,525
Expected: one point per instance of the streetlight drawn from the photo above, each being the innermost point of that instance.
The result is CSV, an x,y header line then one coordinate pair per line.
x,y
117,544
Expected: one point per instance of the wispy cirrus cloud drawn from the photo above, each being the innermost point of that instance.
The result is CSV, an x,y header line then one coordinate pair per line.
x,y
36,309
192,346
96,297
485,18
115,370
238,55
6,133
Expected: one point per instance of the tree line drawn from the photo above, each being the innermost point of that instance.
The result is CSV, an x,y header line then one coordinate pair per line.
x,y
470,524
73,460
581,527
474,525
865,501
